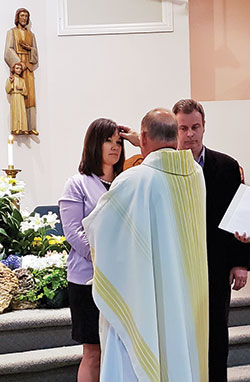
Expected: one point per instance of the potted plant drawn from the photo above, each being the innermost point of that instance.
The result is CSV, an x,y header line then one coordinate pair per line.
x,y
25,235
50,280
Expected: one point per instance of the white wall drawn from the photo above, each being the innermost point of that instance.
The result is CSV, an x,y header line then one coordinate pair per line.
x,y
227,130
81,78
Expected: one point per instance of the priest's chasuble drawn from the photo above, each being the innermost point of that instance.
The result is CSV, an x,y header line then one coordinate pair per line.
x,y
148,242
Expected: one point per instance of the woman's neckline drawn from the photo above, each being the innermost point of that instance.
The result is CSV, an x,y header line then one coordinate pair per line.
x,y
105,181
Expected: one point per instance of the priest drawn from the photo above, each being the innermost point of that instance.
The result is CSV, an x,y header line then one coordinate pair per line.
x,y
148,240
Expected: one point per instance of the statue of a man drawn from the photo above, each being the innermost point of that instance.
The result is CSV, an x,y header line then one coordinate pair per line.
x,y
21,47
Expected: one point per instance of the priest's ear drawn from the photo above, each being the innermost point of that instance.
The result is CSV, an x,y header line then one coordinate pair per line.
x,y
143,138
145,143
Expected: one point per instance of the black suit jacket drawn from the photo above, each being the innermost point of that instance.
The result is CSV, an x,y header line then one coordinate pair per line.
x,y
222,177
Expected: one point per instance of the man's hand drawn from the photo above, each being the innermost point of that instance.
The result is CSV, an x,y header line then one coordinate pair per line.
x,y
25,46
129,135
238,277
242,238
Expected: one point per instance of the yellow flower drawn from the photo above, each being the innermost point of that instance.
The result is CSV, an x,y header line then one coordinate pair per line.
x,y
61,239
52,242
37,241
55,239
12,181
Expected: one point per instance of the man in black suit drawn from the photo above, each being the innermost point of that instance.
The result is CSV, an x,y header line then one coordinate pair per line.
x,y
227,257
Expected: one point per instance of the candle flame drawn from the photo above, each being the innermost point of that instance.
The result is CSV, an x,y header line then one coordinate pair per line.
x,y
11,139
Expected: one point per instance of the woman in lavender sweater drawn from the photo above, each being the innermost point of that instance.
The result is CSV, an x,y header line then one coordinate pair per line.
x,y
102,160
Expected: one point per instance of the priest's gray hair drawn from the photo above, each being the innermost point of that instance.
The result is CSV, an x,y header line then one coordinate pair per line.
x,y
161,125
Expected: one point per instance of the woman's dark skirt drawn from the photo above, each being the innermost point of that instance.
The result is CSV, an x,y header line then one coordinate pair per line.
x,y
84,314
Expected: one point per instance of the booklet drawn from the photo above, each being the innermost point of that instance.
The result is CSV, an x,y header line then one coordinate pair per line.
x,y
237,216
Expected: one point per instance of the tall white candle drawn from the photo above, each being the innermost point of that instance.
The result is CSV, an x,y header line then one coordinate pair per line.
x,y
10,150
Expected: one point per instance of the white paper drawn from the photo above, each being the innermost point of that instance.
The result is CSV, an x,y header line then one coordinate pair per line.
x,y
237,216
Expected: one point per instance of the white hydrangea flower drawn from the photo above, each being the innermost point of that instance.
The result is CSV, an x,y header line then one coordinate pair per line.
x,y
57,259
51,259
31,261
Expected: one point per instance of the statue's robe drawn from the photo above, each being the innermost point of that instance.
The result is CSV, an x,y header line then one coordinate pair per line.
x,y
15,53
18,117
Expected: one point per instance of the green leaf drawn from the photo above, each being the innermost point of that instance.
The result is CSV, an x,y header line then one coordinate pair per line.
x,y
4,233
17,215
49,293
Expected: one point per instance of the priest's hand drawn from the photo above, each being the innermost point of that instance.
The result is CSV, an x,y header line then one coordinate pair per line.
x,y
130,135
238,277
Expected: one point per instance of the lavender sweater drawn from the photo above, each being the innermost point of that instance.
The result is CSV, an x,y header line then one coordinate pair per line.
x,y
81,193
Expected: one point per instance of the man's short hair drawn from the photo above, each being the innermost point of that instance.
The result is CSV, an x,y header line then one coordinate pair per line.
x,y
160,124
187,106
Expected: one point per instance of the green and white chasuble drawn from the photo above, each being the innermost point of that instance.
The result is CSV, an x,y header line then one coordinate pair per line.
x,y
148,240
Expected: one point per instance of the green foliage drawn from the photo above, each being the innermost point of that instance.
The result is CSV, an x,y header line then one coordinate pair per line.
x,y
14,241
31,296
42,243
10,221
47,282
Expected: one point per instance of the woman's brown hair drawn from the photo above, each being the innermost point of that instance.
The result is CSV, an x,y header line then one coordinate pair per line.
x,y
98,132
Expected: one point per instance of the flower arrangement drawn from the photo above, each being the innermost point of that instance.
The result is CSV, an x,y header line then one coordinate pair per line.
x,y
50,279
25,235
47,286
28,247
